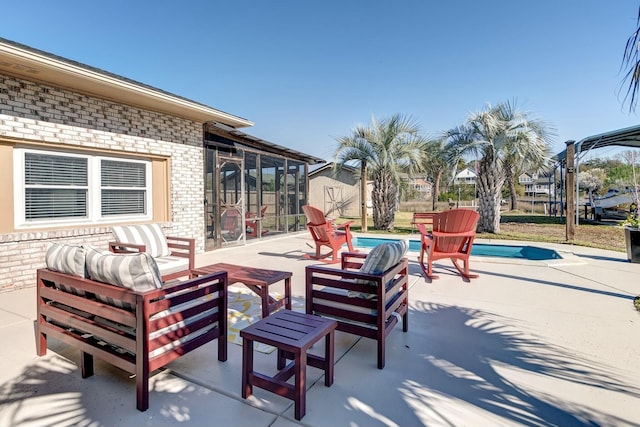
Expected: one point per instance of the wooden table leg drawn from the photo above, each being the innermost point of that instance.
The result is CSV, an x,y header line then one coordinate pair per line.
x,y
287,292
300,395
264,296
247,367
328,359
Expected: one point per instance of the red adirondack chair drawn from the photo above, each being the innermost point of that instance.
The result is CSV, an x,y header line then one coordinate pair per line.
x,y
251,221
452,237
325,233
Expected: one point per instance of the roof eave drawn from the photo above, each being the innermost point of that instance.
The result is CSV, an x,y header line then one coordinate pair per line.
x,y
30,64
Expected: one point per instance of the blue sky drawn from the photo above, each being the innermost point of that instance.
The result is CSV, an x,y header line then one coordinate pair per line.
x,y
307,72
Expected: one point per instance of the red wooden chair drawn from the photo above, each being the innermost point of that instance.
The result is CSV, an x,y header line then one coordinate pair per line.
x,y
231,228
251,222
452,237
325,233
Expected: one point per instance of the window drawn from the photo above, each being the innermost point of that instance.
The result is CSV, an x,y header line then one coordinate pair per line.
x,y
55,186
52,187
123,188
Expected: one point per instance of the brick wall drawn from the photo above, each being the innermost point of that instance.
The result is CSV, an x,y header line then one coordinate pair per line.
x,y
34,112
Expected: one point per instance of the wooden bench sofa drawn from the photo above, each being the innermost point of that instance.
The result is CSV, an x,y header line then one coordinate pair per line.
x,y
137,324
368,296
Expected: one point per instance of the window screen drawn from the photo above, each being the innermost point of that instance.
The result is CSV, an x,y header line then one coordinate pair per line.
x,y
123,187
55,186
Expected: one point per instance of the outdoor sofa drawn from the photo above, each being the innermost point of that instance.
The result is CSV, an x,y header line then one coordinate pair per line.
x,y
116,307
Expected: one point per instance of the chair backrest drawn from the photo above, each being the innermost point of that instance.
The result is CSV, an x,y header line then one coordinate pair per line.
x,y
230,220
317,224
314,215
454,221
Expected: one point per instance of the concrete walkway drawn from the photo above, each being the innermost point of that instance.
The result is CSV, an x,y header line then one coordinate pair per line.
x,y
527,343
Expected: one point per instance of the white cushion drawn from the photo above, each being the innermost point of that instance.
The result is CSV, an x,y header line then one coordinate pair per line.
x,y
171,264
150,235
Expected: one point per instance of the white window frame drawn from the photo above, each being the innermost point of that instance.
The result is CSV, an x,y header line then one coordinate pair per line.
x,y
94,212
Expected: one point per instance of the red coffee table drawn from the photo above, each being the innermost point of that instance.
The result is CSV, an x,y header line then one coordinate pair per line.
x,y
256,279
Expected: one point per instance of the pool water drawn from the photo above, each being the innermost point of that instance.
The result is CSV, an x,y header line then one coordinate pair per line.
x,y
479,249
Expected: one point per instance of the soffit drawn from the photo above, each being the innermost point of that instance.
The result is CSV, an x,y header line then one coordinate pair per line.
x,y
34,65
260,144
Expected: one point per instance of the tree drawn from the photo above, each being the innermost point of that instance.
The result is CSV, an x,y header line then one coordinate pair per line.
x,y
496,136
435,164
388,147
515,165
631,60
591,180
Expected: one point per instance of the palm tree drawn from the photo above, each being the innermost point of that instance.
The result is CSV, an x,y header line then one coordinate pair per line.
x,y
496,136
631,59
436,164
388,147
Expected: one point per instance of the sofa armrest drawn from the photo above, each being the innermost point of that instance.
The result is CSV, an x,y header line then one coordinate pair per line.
x,y
119,248
183,247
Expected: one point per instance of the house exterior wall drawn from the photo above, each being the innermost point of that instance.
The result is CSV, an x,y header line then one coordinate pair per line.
x,y
339,196
40,116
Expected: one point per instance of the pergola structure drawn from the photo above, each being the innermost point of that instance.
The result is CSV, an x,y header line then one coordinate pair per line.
x,y
570,159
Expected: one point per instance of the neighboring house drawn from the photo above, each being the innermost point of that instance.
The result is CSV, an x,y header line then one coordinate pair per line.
x,y
82,149
527,179
420,184
337,196
535,185
466,176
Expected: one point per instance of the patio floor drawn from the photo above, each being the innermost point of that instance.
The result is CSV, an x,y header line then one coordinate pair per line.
x,y
529,343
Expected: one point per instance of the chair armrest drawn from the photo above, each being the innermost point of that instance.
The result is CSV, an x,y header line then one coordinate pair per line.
x,y
118,248
345,225
339,276
354,274
422,229
347,262
471,233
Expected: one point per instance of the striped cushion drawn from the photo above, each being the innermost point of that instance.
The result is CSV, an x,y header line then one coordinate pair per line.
x,y
149,235
138,272
380,259
66,259
384,256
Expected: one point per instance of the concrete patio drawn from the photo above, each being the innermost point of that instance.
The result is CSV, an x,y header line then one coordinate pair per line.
x,y
529,343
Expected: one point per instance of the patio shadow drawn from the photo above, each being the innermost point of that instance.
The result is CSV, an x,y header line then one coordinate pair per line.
x,y
558,284
476,357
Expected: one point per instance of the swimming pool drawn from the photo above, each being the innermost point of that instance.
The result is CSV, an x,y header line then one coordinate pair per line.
x,y
479,249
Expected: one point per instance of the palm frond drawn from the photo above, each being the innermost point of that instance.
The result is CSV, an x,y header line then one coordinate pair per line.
x,y
631,59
